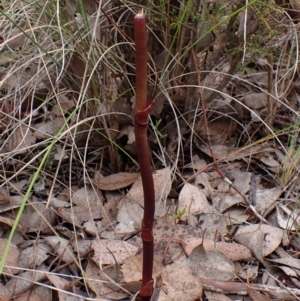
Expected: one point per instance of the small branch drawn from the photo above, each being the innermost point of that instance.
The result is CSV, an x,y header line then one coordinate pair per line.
x,y
219,171
231,287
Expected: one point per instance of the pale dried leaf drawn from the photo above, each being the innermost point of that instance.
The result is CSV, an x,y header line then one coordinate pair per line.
x,y
212,222
289,261
129,131
49,128
15,38
29,295
21,139
228,196
257,296
37,293
34,218
132,266
92,227
122,230
256,100
4,292
63,105
60,154
81,246
112,252
180,284
102,288
24,281
162,186
61,247
266,198
229,153
86,197
203,181
212,296
286,218
12,257
130,211
232,251
80,214
14,202
236,216
34,256
209,264
260,239
116,181
249,272
63,284
193,200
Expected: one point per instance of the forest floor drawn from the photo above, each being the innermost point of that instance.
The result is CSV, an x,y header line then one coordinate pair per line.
x,y
223,138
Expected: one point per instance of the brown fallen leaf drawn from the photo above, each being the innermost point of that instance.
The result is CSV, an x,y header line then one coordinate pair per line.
x,y
116,181
12,258
257,296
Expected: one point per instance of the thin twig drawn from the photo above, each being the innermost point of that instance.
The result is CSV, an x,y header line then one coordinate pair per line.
x,y
216,166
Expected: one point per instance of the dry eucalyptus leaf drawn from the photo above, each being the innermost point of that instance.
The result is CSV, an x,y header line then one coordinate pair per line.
x,y
34,218
4,292
14,202
80,214
203,180
193,200
132,266
36,293
64,104
212,296
86,197
62,284
102,286
162,186
122,230
130,211
266,198
116,181
212,222
289,261
81,246
21,139
15,38
112,251
228,196
257,296
49,128
262,239
212,265
61,247
249,272
92,227
24,281
34,256
235,216
232,251
179,284
12,258
286,218
229,153
256,100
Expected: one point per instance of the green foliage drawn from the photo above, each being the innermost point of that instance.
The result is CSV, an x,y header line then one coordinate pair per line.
x,y
178,214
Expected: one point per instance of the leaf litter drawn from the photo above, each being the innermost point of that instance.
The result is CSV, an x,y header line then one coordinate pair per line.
x,y
82,241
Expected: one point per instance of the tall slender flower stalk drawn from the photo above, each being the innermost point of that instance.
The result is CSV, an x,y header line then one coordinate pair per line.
x,y
142,112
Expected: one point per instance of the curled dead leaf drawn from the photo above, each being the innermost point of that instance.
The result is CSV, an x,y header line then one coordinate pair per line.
x,y
116,181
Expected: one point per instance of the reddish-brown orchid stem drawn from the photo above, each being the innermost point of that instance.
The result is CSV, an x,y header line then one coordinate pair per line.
x,y
142,113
